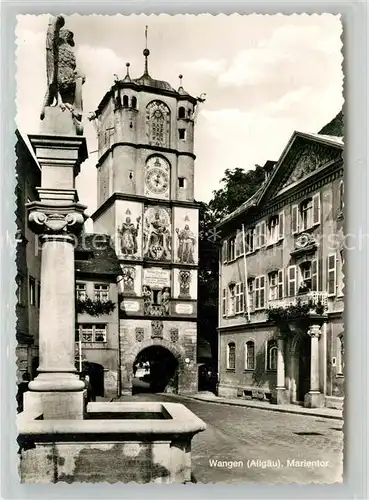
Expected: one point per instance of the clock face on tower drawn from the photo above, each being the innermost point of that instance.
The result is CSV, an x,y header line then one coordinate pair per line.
x,y
157,178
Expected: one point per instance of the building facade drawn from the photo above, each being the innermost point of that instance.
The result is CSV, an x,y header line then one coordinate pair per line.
x,y
281,281
28,260
146,204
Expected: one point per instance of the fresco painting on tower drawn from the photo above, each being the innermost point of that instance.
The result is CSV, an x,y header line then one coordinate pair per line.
x,y
157,233
129,229
186,235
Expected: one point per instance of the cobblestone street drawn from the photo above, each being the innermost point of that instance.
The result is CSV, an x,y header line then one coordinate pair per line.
x,y
252,437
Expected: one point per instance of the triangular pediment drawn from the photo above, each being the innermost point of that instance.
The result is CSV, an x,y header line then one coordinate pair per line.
x,y
303,155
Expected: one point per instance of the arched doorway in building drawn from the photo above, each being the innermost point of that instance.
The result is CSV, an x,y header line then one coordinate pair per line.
x,y
155,369
95,372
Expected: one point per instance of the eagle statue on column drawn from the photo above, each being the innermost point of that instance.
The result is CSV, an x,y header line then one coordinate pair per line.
x,y
64,80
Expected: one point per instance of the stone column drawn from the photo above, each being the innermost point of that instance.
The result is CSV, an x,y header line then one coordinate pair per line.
x,y
57,218
280,396
314,398
57,390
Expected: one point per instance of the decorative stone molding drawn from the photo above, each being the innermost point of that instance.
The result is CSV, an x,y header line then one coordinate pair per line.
x,y
140,334
304,243
307,158
314,331
56,220
174,334
157,328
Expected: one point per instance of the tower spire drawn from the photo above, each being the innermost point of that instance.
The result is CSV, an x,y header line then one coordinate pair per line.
x,y
146,53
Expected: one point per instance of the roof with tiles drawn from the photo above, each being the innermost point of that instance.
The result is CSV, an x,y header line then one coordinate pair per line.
x,y
95,254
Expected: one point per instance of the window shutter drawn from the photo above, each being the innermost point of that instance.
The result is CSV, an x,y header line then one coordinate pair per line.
x,y
280,284
251,240
257,293
331,274
262,233
281,225
242,297
262,291
314,275
239,243
316,209
225,250
341,196
294,219
292,281
257,236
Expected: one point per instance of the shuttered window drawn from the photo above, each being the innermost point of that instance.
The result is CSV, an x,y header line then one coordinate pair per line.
x,y
273,230
273,285
231,299
250,285
280,284
224,302
331,274
263,233
224,252
239,244
281,225
257,236
291,279
294,219
250,240
314,275
260,292
316,209
231,248
239,298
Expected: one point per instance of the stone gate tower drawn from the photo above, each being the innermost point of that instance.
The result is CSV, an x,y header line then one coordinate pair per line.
x,y
146,203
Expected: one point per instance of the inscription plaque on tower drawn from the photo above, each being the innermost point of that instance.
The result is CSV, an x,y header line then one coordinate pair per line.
x,y
156,277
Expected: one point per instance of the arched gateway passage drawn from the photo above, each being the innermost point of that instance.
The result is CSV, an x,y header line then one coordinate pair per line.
x,y
155,369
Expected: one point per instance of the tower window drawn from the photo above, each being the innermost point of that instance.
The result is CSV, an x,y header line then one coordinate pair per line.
x,y
158,123
130,175
181,182
181,112
182,133
134,102
125,101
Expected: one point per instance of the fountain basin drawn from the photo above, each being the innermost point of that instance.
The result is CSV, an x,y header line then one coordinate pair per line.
x,y
114,449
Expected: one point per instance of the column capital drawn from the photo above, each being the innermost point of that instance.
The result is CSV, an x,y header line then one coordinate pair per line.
x,y
46,219
314,331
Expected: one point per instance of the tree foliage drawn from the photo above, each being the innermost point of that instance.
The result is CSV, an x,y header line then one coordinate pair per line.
x,y
238,186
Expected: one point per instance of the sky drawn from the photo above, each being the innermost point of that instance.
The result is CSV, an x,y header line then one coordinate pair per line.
x,y
264,77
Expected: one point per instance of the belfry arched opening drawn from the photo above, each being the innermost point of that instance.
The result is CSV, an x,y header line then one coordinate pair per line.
x,y
155,369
